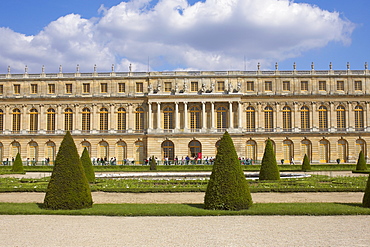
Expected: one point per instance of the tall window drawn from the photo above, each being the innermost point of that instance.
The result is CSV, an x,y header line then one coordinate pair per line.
x,y
194,118
251,119
167,86
323,118
139,87
17,88
168,150
103,119
269,119
139,119
221,114
1,121
68,119
50,125
103,150
139,152
306,148
287,150
86,88
220,86
324,151
68,88
287,118
341,118
33,88
194,86
121,119
104,87
359,118
358,85
167,118
33,120
268,86
51,88
121,152
194,148
50,151
33,151
340,85
304,85
322,85
16,148
16,120
121,87
286,85
250,85
251,150
305,118
342,150
86,119
1,88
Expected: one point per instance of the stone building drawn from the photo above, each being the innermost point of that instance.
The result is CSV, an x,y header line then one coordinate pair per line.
x,y
133,115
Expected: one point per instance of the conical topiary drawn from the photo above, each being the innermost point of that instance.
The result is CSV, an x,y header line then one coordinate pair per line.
x,y
17,164
153,164
227,188
68,187
361,162
306,166
366,198
269,169
87,165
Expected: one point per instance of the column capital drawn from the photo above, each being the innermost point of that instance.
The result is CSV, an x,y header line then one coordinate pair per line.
x,y
158,103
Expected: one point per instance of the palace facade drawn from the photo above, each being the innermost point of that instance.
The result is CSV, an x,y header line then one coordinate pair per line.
x,y
133,115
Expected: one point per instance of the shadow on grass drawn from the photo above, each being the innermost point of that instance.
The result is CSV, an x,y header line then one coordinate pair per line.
x,y
198,206
359,205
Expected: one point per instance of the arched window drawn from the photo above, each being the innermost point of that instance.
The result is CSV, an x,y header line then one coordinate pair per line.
x,y
50,124
251,119
288,153
194,118
323,118
16,148
50,152
87,145
324,151
86,119
32,151
306,149
341,118
194,148
167,118
68,119
221,113
33,120
342,150
168,150
139,152
139,119
251,150
269,119
305,118
16,120
121,152
360,146
359,118
103,119
287,118
121,119
103,150
1,121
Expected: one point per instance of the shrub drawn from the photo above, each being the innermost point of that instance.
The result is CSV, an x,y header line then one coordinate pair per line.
x,y
87,165
269,169
153,164
227,188
306,165
361,162
17,164
366,198
68,187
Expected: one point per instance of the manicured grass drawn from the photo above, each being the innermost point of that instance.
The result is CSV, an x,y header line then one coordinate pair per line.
x,y
318,209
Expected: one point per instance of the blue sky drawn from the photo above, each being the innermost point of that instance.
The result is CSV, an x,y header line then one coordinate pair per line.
x,y
182,35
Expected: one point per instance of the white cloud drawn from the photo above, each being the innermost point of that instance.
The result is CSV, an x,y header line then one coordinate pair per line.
x,y
210,35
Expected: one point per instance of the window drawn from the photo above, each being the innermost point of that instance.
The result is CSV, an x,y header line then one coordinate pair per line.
x,y
251,150
340,85
33,120
221,114
251,119
86,88
139,87
51,88
104,87
269,118
167,86
286,85
86,119
16,120
305,118
341,118
167,118
139,119
358,85
304,85
250,85
220,86
323,118
68,119
121,152
268,86
287,118
17,88
50,123
322,85
68,88
121,119
33,88
359,118
168,150
1,120
194,86
194,148
103,119
121,87
194,118
1,89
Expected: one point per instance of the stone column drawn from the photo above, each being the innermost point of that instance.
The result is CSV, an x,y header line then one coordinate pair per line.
x,y
240,117
59,118
131,118
42,121
158,115
185,116
212,115
112,119
8,119
150,123
231,119
177,120
94,120
76,118
25,119
332,117
204,123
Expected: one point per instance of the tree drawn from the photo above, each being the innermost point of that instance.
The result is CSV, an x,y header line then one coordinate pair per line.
x,y
87,165
68,187
17,164
269,169
306,166
227,188
366,198
153,164
361,162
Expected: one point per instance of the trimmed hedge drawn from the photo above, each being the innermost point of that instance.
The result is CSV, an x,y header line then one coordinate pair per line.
x,y
306,166
361,162
17,164
269,168
87,165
